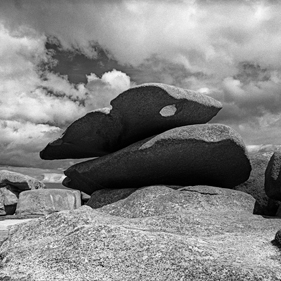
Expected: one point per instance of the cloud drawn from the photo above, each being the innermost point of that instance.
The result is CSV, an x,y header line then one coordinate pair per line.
x,y
227,49
103,90
37,105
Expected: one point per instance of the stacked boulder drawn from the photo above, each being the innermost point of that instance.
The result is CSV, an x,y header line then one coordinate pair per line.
x,y
154,134
12,184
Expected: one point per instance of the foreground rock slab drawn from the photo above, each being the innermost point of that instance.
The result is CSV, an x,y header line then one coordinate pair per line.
x,y
272,182
47,201
136,114
211,154
157,233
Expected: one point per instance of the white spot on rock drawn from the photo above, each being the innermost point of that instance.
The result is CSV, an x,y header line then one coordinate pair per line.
x,y
168,110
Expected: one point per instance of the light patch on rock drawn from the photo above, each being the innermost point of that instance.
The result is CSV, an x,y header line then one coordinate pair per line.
x,y
168,110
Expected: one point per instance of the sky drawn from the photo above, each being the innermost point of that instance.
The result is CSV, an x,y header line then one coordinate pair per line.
x,y
62,59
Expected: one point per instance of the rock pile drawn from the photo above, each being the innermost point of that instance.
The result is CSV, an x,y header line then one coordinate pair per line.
x,y
157,215
11,185
24,196
154,134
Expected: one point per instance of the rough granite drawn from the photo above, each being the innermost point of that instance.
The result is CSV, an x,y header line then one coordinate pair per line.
x,y
155,234
211,154
136,114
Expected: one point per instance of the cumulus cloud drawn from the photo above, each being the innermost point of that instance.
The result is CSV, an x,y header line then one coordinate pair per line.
x,y
103,90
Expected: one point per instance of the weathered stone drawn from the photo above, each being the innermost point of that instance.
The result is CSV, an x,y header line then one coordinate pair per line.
x,y
136,114
10,197
157,233
103,197
46,201
211,154
255,185
19,181
272,183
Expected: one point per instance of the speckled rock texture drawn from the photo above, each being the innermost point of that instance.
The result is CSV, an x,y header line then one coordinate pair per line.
x,y
104,197
255,185
211,154
19,181
272,182
155,234
47,201
136,114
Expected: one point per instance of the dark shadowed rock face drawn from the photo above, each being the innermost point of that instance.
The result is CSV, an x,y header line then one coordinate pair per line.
x,y
273,177
136,114
255,185
197,233
210,154
104,197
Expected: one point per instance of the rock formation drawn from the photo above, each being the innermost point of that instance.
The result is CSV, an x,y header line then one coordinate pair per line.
x,y
157,233
11,185
136,114
19,181
211,154
273,177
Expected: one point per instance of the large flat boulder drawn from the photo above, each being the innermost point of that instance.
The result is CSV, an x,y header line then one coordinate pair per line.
x,y
47,201
19,182
255,185
272,182
209,154
157,233
136,114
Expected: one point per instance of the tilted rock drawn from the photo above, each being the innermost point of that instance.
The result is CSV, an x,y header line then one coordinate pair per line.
x,y
272,183
47,201
19,181
211,154
10,198
107,196
157,233
136,114
255,185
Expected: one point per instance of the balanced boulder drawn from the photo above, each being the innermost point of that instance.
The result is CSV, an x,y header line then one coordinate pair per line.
x,y
47,201
19,182
136,114
272,181
209,154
